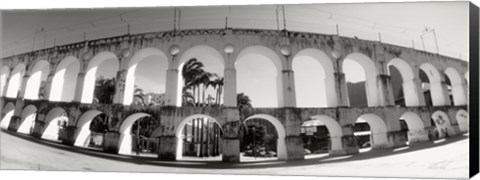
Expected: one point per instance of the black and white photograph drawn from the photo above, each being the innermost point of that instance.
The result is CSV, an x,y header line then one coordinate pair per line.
x,y
372,89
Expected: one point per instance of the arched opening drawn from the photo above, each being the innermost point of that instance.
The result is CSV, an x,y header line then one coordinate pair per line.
x,y
314,79
432,85
456,86
322,134
4,73
200,77
65,80
405,93
55,120
463,120
415,128
146,78
361,78
131,132
90,126
15,83
27,121
198,136
442,126
258,140
7,114
36,83
100,79
279,128
259,77
370,131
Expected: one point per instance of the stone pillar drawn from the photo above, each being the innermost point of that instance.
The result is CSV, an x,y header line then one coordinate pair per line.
x,y
79,87
459,93
345,144
169,141
385,88
48,86
120,79
171,88
340,89
5,87
294,144
287,89
396,139
230,87
14,123
439,94
417,135
230,143
167,148
378,91
19,101
67,135
413,93
23,86
110,142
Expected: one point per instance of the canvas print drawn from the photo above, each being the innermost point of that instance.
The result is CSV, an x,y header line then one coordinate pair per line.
x,y
357,90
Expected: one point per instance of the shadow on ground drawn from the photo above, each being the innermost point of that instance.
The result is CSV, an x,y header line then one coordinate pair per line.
x,y
142,160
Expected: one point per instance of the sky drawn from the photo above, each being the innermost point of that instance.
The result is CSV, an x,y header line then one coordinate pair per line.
x,y
398,23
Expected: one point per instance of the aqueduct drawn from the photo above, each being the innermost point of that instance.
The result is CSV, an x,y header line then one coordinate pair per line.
x,y
68,73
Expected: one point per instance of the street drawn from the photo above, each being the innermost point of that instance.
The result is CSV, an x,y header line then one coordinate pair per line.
x,y
444,159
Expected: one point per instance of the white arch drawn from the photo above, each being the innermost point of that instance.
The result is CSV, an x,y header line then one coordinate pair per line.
x,y
83,127
90,75
328,81
34,81
51,123
409,86
181,125
199,52
274,58
463,120
7,114
459,92
334,129
65,80
16,79
373,97
443,124
378,128
264,51
125,141
132,66
4,74
436,89
416,127
281,146
27,119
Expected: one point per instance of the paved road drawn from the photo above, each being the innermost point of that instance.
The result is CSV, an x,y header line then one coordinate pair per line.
x,y
447,159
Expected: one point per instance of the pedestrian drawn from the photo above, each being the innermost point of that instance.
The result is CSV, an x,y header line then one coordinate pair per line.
x,y
138,148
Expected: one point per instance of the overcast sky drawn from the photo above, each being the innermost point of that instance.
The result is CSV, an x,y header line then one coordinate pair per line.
x,y
398,23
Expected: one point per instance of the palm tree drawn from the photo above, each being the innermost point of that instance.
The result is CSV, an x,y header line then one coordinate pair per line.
x,y
190,73
138,96
104,90
243,102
